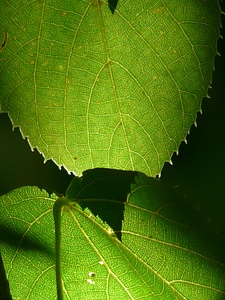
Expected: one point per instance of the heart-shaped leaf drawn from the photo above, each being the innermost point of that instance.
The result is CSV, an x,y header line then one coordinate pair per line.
x,y
94,89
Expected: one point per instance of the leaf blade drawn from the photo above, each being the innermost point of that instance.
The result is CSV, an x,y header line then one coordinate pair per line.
x,y
179,243
101,90
164,252
27,248
163,242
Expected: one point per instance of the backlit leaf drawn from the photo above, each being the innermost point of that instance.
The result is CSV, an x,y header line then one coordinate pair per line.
x,y
165,250
94,89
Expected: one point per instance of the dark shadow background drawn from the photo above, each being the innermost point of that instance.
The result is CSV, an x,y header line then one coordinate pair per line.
x,y
199,169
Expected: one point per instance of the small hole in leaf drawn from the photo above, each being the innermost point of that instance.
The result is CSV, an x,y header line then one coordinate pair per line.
x,y
90,281
112,5
91,274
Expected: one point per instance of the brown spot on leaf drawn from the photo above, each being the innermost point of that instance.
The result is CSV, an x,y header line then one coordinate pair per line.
x,y
4,41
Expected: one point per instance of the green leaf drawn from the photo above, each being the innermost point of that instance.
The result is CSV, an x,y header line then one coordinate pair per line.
x,y
27,243
165,253
94,89
165,250
170,237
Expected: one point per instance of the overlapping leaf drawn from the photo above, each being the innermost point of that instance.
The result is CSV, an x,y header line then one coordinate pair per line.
x,y
94,89
169,236
164,251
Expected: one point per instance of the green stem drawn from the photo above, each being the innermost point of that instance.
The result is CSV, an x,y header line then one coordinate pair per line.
x,y
57,219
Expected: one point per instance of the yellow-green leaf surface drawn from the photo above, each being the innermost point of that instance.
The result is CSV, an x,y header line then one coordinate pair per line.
x,y
94,89
164,251
27,243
